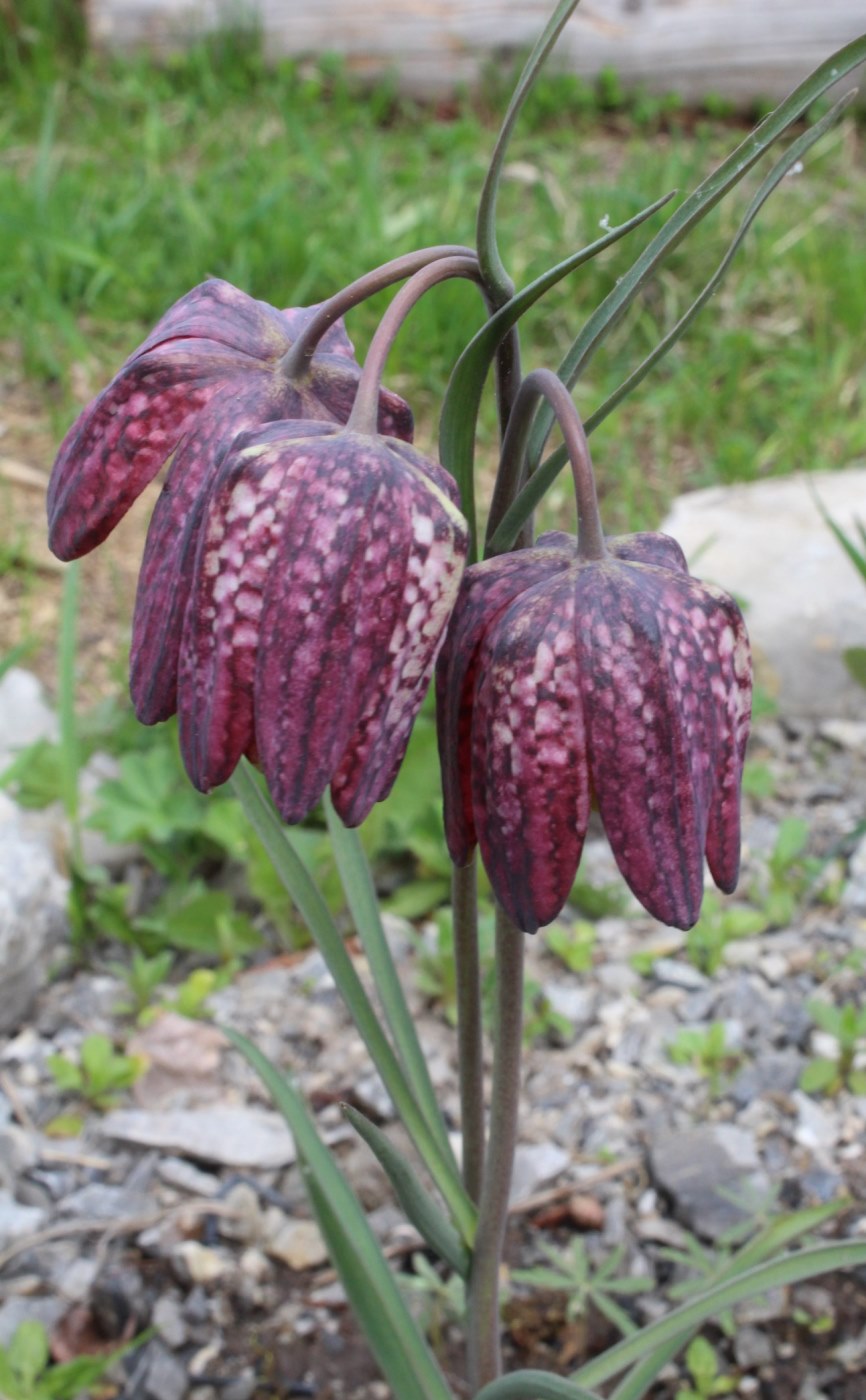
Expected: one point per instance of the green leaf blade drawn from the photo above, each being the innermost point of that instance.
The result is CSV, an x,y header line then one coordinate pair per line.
x,y
404,1357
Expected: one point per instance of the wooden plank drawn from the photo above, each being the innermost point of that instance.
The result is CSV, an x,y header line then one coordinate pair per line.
x,y
739,49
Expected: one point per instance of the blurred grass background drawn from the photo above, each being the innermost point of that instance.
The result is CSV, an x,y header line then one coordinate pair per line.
x,y
122,184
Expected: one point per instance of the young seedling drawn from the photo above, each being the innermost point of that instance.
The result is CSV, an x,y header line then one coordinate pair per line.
x,y
26,1372
719,925
142,976
708,1051
573,944
845,1067
707,1381
101,1074
586,1282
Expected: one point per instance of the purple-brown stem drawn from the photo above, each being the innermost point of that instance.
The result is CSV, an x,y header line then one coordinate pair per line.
x,y
365,410
543,383
484,1355
296,360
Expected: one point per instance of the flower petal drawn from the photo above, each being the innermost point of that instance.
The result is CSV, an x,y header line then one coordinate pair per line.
x,y
215,310
119,442
246,512
650,728
307,694
649,547
487,589
730,680
165,578
530,778
418,526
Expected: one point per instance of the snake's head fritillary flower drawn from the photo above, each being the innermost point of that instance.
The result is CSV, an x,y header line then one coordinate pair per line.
x,y
211,369
327,566
620,680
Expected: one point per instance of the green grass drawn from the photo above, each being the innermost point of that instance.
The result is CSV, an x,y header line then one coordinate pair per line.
x,y
123,185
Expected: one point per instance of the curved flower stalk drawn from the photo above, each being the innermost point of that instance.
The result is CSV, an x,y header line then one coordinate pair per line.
x,y
586,671
209,370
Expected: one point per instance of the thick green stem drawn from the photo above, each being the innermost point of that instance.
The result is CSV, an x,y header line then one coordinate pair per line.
x,y
484,1353
296,362
470,1057
365,410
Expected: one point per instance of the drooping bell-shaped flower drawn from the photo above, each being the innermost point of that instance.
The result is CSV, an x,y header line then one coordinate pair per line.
x,y
620,679
593,671
213,367
327,567
303,559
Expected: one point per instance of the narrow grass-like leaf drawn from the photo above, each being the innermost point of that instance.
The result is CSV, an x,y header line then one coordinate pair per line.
x,y
855,660
421,1211
492,267
767,1242
317,916
459,416
690,213
547,472
857,558
406,1361
16,654
360,892
534,1385
793,1268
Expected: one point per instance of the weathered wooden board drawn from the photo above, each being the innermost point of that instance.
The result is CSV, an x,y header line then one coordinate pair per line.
x,y
740,49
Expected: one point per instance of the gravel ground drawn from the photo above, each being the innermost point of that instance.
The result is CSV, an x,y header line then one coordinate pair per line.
x,y
181,1207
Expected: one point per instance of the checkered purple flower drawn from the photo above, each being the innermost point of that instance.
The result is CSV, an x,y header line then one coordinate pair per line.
x,y
209,370
619,680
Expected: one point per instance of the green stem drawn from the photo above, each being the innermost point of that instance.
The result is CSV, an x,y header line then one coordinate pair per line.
x,y
483,1295
470,1062
360,893
496,279
69,747
296,361
365,410
317,916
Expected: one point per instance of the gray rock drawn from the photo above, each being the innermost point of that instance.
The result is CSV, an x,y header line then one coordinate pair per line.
x,y
575,1004
174,1171
698,1167
98,1201
231,1137
25,716
165,1377
673,973
534,1164
752,1348
817,1127
32,915
776,1072
169,1321
16,1220
48,1311
18,1153
800,620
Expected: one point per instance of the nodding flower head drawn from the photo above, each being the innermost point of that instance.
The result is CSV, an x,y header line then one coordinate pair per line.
x,y
212,368
618,679
327,566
